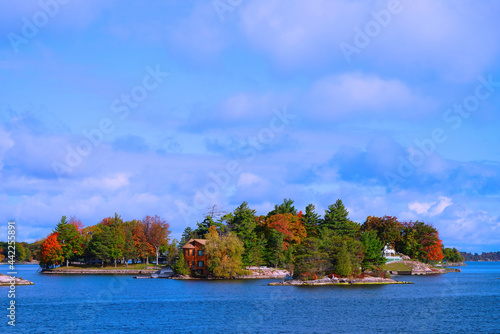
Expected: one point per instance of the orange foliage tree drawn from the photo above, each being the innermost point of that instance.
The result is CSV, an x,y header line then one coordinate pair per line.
x,y
52,252
289,225
435,251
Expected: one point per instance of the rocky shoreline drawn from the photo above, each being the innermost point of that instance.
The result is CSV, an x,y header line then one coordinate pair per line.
x,y
6,280
340,281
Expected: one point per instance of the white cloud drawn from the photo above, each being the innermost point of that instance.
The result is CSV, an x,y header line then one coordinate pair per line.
x,y
351,94
431,209
249,179
298,33
113,182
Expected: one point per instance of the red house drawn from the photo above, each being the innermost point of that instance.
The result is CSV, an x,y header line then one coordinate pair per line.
x,y
195,256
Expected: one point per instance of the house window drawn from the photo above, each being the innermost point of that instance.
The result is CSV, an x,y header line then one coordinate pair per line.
x,y
200,264
200,252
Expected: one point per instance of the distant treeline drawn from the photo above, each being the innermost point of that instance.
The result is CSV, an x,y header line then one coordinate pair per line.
x,y
491,256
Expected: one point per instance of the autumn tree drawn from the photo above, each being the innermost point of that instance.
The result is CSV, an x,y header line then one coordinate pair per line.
x,y
52,252
141,245
157,233
224,254
388,229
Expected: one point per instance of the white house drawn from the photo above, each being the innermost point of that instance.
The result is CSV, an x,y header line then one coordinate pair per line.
x,y
390,254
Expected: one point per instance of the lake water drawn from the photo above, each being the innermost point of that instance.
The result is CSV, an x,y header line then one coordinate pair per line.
x,y
466,302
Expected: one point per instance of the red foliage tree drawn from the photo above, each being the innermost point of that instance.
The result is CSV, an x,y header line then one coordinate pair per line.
x,y
52,252
289,225
435,251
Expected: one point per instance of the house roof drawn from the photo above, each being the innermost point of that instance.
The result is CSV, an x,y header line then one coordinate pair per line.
x,y
190,243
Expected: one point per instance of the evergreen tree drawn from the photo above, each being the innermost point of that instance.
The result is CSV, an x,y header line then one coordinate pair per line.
x,y
343,267
372,248
275,253
310,259
311,220
180,266
285,207
99,244
243,223
335,219
70,240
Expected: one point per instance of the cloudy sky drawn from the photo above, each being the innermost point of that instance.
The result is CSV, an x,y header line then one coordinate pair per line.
x,y
171,107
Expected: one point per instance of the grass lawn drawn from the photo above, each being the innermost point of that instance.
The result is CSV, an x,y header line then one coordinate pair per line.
x,y
138,266
398,266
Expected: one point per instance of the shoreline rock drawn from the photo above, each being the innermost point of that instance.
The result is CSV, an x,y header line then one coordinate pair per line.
x,y
340,281
5,280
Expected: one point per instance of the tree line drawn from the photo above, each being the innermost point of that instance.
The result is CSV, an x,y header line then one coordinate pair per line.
x,y
308,243
485,256
110,241
302,241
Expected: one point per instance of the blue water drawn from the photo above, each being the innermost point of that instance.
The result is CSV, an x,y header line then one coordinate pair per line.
x,y
466,302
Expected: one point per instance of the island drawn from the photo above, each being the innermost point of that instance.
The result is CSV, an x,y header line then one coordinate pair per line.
x,y
6,280
368,280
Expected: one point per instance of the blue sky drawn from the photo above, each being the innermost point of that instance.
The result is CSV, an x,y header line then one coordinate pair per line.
x,y
171,107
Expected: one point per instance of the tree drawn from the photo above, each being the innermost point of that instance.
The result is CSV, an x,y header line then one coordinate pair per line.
x,y
242,223
285,207
157,233
141,245
70,239
343,267
335,219
129,250
180,267
187,235
311,220
388,229
333,244
310,259
170,251
418,240
224,254
372,248
289,225
452,255
435,251
275,250
99,245
20,254
52,252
